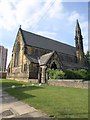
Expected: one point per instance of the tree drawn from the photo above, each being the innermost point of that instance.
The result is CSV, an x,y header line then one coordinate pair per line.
x,y
87,56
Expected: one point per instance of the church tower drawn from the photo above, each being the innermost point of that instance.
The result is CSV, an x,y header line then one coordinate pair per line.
x,y
79,44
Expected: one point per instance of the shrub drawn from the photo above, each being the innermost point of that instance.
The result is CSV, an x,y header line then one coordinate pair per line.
x,y
51,73
59,74
77,74
69,74
81,73
55,74
72,74
87,77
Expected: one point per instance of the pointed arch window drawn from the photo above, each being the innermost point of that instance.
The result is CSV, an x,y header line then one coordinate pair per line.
x,y
17,55
54,66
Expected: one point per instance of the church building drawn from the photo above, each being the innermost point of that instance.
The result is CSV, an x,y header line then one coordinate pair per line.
x,y
33,55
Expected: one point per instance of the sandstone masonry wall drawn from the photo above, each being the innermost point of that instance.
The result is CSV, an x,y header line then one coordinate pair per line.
x,y
69,83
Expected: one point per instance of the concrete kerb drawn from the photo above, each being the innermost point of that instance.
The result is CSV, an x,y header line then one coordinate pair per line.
x,y
18,108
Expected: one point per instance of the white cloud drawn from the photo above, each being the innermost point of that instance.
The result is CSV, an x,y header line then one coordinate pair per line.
x,y
27,13
56,9
73,16
47,34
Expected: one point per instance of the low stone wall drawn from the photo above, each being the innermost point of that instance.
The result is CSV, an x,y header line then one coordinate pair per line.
x,y
3,75
18,79
69,83
33,80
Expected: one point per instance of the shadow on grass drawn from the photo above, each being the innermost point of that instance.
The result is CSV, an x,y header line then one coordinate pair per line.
x,y
73,113
9,84
69,115
20,92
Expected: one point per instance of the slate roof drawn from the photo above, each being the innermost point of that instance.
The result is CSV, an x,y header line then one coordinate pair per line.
x,y
32,59
72,65
32,39
44,58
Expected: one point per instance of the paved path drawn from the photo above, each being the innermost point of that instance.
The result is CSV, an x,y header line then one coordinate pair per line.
x,y
12,108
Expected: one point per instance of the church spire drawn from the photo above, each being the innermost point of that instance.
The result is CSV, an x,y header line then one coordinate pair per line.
x,y
78,26
20,27
79,44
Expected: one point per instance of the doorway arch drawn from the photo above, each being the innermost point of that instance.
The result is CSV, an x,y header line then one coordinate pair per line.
x,y
53,66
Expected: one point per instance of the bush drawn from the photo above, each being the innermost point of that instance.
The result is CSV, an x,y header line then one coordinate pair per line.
x,y
77,74
87,77
72,74
59,74
51,73
81,73
55,74
69,74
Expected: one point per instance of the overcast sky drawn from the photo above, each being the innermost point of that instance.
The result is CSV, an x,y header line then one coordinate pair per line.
x,y
55,19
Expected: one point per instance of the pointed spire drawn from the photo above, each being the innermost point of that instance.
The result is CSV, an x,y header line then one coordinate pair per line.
x,y
77,25
79,44
20,27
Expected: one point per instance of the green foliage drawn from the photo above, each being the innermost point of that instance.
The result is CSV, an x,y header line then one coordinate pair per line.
x,y
77,74
55,74
69,74
87,56
82,73
54,100
72,74
87,77
51,73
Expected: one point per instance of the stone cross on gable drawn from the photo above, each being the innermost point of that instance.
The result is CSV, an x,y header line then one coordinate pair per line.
x,y
20,26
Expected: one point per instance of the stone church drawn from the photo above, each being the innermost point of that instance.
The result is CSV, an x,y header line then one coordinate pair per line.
x,y
33,54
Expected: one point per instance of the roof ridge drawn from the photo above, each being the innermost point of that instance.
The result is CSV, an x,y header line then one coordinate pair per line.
x,y
34,40
46,56
51,39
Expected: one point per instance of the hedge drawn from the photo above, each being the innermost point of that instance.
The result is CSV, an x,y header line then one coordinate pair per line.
x,y
69,74
56,74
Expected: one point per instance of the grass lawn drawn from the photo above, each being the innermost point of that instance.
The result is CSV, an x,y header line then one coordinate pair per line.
x,y
58,101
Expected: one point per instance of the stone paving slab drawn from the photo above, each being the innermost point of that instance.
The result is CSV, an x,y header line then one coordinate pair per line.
x,y
18,108
17,103
30,115
36,114
23,109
